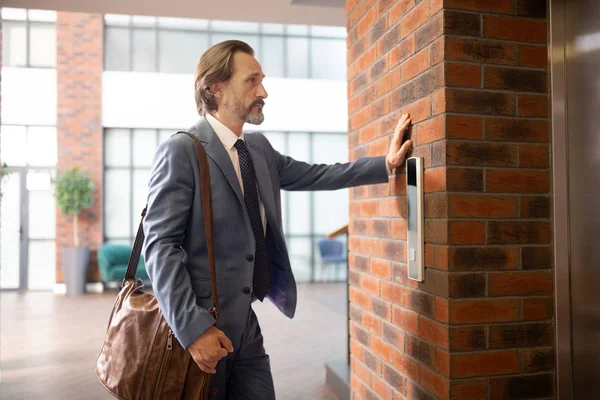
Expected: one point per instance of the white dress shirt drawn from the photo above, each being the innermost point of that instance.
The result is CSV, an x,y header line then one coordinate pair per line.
x,y
228,138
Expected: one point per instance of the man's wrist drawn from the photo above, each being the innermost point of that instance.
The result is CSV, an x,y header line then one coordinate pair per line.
x,y
388,167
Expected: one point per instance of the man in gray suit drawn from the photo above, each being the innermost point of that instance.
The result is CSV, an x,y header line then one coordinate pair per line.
x,y
252,262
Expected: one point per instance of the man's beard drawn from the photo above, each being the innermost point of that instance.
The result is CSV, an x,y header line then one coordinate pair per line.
x,y
245,113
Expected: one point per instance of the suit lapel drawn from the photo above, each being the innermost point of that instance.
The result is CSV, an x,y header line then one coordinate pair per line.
x,y
216,151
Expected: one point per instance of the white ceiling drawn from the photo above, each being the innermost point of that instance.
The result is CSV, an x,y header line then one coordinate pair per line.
x,y
276,11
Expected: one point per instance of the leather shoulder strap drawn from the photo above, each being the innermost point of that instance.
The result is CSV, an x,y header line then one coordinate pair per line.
x,y
134,258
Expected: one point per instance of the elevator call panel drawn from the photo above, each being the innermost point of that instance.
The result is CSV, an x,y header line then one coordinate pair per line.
x,y
416,228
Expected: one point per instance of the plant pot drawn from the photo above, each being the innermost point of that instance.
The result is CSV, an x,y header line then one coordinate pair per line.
x,y
75,267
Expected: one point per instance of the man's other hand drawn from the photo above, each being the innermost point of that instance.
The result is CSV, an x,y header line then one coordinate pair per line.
x,y
209,348
398,150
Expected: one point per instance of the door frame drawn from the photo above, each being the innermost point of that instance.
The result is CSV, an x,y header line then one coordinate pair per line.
x,y
560,184
21,172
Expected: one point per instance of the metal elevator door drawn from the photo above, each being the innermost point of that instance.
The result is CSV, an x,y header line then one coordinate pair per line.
x,y
576,131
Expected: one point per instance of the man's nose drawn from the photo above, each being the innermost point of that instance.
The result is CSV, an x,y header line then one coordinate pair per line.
x,y
262,93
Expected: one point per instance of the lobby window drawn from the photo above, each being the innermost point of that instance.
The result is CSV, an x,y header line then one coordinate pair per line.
x,y
174,45
28,146
28,38
128,155
306,216
310,216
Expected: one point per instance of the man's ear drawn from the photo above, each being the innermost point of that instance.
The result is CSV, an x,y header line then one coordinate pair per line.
x,y
216,89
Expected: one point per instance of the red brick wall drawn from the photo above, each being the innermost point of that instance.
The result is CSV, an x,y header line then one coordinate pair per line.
x,y
473,76
79,67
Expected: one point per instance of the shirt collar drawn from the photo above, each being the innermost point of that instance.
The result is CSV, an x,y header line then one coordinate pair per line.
x,y
226,135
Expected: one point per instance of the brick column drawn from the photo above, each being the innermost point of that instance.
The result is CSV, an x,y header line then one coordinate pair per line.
x,y
79,65
473,75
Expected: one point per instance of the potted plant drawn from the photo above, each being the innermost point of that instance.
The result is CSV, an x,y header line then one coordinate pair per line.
x,y
3,174
74,192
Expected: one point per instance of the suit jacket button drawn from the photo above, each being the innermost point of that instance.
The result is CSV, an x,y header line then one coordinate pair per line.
x,y
246,290
250,257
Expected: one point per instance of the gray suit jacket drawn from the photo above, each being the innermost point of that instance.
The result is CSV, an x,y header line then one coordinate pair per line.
x,y
175,245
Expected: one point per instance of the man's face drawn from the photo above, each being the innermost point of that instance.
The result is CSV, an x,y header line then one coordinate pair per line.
x,y
243,94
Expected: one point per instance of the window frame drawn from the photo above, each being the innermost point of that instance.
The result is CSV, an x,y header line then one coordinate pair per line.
x,y
27,21
209,31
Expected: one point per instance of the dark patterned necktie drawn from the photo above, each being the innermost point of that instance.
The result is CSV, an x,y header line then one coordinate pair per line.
x,y
260,281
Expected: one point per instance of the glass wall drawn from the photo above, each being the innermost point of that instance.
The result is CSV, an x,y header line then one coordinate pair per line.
x,y
28,210
126,174
307,216
163,46
174,45
28,38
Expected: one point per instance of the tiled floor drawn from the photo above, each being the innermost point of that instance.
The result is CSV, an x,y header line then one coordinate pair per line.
x,y
49,343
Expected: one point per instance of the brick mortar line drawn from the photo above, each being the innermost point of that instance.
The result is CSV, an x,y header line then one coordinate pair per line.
x,y
522,358
474,219
509,41
467,11
493,90
492,141
368,385
455,272
492,39
520,322
502,376
385,238
490,116
469,353
385,135
464,352
487,349
399,373
533,194
436,371
495,298
478,194
506,271
548,321
454,114
505,66
493,219
419,385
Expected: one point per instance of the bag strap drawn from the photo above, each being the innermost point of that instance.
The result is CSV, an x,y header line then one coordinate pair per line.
x,y
208,227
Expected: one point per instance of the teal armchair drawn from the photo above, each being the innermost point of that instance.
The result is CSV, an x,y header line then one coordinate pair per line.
x,y
112,263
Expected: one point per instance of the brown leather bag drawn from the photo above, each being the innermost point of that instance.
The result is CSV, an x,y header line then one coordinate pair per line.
x,y
141,358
